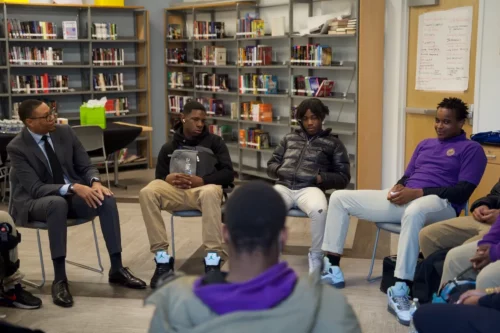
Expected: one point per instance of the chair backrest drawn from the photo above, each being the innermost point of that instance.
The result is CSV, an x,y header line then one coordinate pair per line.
x,y
91,137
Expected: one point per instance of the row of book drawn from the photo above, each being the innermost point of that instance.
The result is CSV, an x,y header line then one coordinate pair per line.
x,y
208,30
250,26
177,55
108,82
343,27
212,82
213,106
31,29
210,55
104,31
311,55
179,80
26,55
254,138
108,56
260,55
257,111
117,106
258,84
176,103
45,83
312,86
224,131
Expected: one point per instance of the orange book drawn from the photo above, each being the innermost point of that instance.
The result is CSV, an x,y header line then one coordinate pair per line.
x,y
243,138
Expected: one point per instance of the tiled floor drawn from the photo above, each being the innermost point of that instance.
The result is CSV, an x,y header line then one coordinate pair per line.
x,y
102,308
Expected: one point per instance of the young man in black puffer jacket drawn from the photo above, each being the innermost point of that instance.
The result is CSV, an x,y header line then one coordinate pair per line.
x,y
306,163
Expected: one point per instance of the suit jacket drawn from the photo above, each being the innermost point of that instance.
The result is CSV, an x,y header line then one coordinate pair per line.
x,y
32,168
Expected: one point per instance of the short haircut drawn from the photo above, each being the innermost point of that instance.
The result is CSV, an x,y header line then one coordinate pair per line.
x,y
457,105
316,106
27,107
193,105
255,216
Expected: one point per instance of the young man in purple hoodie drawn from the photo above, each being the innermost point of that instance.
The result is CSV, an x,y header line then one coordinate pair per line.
x,y
484,256
259,293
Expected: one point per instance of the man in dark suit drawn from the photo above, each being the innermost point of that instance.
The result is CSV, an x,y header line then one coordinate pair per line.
x,y
57,181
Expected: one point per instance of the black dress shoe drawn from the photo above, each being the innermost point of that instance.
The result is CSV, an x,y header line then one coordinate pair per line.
x,y
61,295
124,277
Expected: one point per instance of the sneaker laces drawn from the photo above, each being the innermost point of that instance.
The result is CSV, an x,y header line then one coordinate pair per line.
x,y
403,302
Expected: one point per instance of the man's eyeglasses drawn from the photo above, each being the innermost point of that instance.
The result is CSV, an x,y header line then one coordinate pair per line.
x,y
49,116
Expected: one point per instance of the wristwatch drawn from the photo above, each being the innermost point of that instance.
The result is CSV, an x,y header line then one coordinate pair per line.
x,y
93,180
71,189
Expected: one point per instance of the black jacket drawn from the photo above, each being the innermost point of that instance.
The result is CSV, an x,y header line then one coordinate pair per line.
x,y
223,176
298,160
492,200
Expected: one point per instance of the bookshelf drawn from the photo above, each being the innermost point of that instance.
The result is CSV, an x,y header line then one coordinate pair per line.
x,y
343,103
78,63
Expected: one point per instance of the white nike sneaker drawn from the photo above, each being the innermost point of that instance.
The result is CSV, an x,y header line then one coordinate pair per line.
x,y
332,274
212,262
399,302
315,261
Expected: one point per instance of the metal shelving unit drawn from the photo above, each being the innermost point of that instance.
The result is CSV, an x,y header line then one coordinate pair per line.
x,y
178,14
84,15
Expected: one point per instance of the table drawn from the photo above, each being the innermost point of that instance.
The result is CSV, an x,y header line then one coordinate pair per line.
x,y
116,137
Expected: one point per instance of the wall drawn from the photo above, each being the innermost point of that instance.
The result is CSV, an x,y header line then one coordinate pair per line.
x,y
155,8
486,112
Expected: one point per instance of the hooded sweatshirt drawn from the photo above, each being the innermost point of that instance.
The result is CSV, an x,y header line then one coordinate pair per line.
x,y
310,307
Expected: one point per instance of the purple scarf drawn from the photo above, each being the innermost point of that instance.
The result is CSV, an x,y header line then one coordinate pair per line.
x,y
261,293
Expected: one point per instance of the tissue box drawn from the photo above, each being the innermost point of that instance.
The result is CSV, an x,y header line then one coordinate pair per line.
x,y
93,116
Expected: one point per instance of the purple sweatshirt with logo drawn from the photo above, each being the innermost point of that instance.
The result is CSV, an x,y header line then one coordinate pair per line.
x,y
260,293
493,238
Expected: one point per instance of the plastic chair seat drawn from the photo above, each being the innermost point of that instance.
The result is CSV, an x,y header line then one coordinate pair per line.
x,y
394,228
187,213
294,212
43,225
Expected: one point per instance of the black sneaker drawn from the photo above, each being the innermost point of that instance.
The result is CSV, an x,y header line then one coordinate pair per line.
x,y
20,298
161,270
212,262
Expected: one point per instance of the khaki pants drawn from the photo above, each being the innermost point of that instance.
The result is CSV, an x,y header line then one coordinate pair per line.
x,y
458,260
451,233
10,281
160,195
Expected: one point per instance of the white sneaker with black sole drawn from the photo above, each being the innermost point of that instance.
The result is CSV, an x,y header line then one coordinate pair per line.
x,y
332,274
399,302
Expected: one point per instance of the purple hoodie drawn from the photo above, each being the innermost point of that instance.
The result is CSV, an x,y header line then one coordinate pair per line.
x,y
493,238
261,293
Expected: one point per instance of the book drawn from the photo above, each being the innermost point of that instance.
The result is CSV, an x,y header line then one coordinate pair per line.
x,y
176,103
27,55
108,82
177,55
174,31
108,56
325,89
70,30
45,83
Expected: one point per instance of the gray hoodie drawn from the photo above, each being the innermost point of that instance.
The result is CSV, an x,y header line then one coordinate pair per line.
x,y
311,308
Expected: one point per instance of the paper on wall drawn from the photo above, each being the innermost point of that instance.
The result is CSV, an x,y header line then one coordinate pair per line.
x,y
443,50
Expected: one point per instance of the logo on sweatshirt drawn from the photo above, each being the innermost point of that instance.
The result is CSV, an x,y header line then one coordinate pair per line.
x,y
450,152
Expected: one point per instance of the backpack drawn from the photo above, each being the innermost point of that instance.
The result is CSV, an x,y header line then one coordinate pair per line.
x,y
427,277
492,138
199,161
388,268
450,292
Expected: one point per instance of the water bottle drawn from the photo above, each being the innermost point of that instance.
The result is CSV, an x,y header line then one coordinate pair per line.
x,y
187,169
413,308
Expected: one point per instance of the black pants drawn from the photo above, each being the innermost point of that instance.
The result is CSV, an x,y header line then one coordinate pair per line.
x,y
55,210
453,318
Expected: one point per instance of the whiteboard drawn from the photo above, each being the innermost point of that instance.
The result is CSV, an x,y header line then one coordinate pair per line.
x,y
443,50
487,92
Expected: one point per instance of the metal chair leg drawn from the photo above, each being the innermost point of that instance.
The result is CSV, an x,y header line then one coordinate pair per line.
x,y
369,277
107,172
97,270
40,252
172,231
